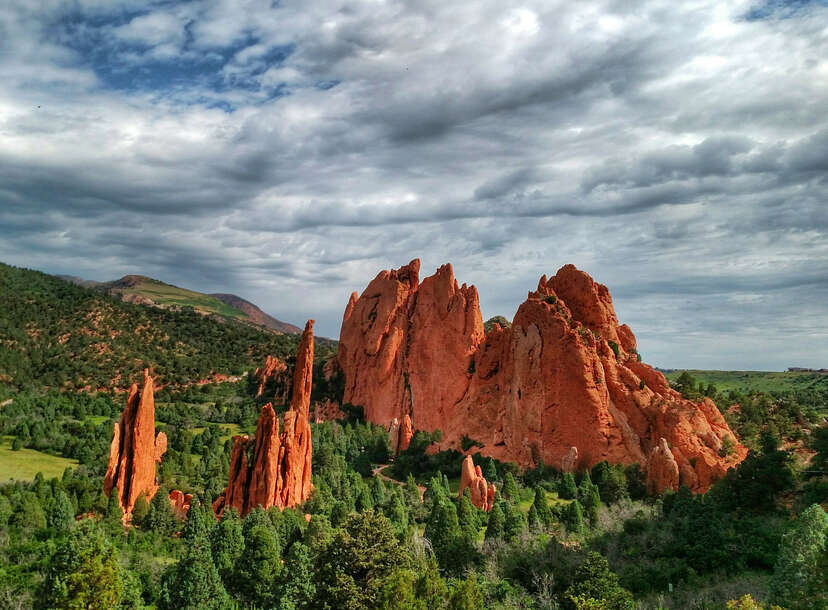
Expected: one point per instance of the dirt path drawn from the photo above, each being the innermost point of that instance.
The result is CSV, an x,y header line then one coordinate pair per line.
x,y
377,472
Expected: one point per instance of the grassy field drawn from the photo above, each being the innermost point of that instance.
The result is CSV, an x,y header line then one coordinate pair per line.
x,y
23,465
758,381
229,430
165,294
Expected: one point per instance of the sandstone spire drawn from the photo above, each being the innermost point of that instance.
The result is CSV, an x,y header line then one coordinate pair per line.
x,y
135,449
482,492
279,470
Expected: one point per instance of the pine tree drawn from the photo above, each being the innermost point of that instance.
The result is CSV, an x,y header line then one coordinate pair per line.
x,y
567,488
574,517
513,522
113,517
541,506
489,470
378,492
160,517
227,544
443,531
510,488
140,510
533,519
62,513
591,503
193,582
495,527
298,590
398,514
258,567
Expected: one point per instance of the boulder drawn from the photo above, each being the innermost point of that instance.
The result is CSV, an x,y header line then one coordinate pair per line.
x,y
565,374
135,449
180,503
482,492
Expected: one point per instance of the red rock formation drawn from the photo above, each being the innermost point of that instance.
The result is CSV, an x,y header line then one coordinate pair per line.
x,y
279,471
662,469
406,433
482,493
180,503
569,462
135,449
273,369
564,375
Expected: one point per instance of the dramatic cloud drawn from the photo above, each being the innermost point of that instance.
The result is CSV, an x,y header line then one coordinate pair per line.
x,y
288,151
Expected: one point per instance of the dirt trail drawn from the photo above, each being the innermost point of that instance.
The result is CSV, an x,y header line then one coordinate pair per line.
x,y
377,472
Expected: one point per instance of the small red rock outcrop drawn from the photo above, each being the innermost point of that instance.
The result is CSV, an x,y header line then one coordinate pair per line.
x,y
180,503
279,471
565,375
482,492
662,469
277,370
328,410
135,449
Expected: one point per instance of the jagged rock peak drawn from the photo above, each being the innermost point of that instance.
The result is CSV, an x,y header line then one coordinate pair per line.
x,y
481,491
135,449
564,375
279,470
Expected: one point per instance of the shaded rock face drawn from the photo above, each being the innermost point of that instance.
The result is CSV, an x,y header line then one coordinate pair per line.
x,y
180,503
565,375
328,410
276,370
482,493
274,469
569,462
135,449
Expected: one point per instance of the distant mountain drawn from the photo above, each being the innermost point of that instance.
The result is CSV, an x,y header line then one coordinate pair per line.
x,y
255,314
143,290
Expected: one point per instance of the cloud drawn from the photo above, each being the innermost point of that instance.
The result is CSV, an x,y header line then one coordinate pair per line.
x,y
289,151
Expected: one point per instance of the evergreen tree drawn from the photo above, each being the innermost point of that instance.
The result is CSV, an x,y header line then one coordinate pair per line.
x,y
353,568
398,515
258,567
533,519
541,506
62,513
194,582
591,502
443,531
227,544
800,577
140,510
29,513
467,515
567,488
596,586
513,522
378,492
160,517
5,510
585,488
84,572
297,590
574,517
113,517
489,470
495,528
510,488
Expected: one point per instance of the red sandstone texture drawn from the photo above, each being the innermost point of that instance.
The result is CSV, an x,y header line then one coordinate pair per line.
x,y
565,375
482,493
180,503
326,411
273,369
135,449
279,471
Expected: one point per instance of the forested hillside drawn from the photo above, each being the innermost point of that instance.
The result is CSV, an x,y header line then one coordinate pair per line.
x,y
59,335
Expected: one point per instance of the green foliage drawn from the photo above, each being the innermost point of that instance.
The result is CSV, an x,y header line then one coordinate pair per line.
x,y
611,481
567,489
800,578
160,517
467,443
17,444
84,572
61,513
258,567
614,346
596,586
541,507
352,570
510,488
495,526
574,517
513,521
467,595
140,510
227,543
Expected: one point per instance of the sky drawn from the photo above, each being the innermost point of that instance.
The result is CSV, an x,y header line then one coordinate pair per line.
x,y
288,151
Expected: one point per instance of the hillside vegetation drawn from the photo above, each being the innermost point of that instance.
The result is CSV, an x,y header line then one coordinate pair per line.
x,y
757,381
59,335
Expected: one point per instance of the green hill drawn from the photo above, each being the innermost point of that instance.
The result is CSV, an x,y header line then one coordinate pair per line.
x,y
757,381
57,334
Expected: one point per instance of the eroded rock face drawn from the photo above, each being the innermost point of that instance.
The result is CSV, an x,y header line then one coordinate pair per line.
x,y
135,449
482,492
569,462
564,375
278,472
328,410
